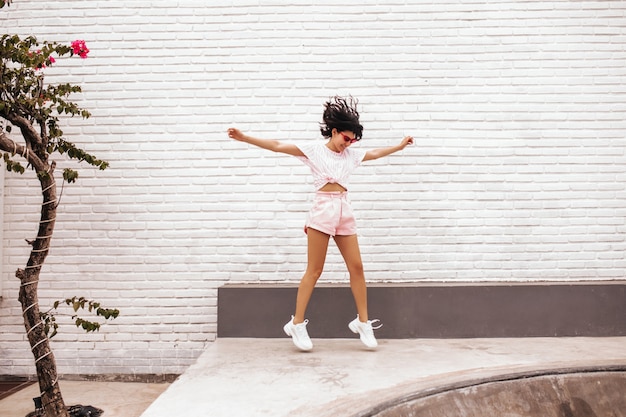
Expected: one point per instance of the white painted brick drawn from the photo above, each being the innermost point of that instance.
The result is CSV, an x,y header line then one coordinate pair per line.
x,y
518,172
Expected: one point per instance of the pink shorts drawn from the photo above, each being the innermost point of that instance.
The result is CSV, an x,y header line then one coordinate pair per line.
x,y
331,214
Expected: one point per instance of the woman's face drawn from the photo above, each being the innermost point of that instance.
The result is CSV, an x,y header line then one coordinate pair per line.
x,y
341,140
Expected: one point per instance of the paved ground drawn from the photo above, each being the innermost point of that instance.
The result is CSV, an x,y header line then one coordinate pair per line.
x,y
117,399
269,377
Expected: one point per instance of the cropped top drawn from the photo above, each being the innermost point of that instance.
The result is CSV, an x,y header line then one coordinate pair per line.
x,y
328,166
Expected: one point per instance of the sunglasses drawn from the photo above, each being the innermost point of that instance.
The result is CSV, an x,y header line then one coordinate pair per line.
x,y
349,139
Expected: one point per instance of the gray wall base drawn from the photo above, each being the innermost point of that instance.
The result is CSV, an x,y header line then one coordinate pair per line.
x,y
432,310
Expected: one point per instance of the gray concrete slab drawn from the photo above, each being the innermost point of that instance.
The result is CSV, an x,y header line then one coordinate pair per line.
x,y
269,377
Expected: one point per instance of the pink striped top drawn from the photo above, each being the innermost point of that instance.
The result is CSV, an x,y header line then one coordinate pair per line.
x,y
328,166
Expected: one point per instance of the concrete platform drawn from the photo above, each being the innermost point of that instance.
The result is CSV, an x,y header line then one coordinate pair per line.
x,y
269,377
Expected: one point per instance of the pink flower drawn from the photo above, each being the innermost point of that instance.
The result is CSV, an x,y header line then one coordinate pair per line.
x,y
79,48
43,64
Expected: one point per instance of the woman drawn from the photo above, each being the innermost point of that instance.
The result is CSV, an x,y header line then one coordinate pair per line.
x,y
331,164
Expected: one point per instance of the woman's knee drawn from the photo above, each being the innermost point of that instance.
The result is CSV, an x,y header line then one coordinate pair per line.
x,y
313,273
355,268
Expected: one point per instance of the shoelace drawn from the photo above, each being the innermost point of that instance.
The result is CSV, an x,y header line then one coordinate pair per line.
x,y
367,327
377,327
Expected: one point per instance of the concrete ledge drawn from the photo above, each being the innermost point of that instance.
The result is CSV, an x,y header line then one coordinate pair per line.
x,y
588,391
594,309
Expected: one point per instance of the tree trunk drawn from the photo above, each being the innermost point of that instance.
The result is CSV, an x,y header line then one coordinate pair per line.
x,y
51,398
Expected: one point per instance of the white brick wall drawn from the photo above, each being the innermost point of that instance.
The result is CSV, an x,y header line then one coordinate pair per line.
x,y
1,228
518,174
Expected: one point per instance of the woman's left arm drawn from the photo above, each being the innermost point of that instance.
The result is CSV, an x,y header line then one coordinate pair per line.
x,y
380,152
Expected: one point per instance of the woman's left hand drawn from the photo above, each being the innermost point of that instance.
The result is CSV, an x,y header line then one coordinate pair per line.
x,y
407,140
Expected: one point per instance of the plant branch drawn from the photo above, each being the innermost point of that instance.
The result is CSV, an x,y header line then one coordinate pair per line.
x,y
26,127
9,145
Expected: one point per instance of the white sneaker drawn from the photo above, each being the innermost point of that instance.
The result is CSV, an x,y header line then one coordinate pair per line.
x,y
365,330
299,334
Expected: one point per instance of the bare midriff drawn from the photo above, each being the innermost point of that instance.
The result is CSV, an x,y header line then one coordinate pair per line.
x,y
332,187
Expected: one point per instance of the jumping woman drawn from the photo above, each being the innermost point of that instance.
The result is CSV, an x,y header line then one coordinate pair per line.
x,y
331,163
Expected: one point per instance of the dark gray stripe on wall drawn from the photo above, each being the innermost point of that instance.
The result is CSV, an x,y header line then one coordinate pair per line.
x,y
595,309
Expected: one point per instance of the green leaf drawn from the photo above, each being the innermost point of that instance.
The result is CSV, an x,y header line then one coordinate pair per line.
x,y
70,175
11,165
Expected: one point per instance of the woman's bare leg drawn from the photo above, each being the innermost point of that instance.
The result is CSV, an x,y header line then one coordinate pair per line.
x,y
349,248
317,247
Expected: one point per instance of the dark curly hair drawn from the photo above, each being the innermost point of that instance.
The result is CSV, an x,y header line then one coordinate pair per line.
x,y
341,114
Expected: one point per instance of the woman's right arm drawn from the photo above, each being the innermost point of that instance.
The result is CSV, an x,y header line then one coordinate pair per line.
x,y
269,144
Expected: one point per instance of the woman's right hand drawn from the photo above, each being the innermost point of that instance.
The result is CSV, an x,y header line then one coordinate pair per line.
x,y
235,133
